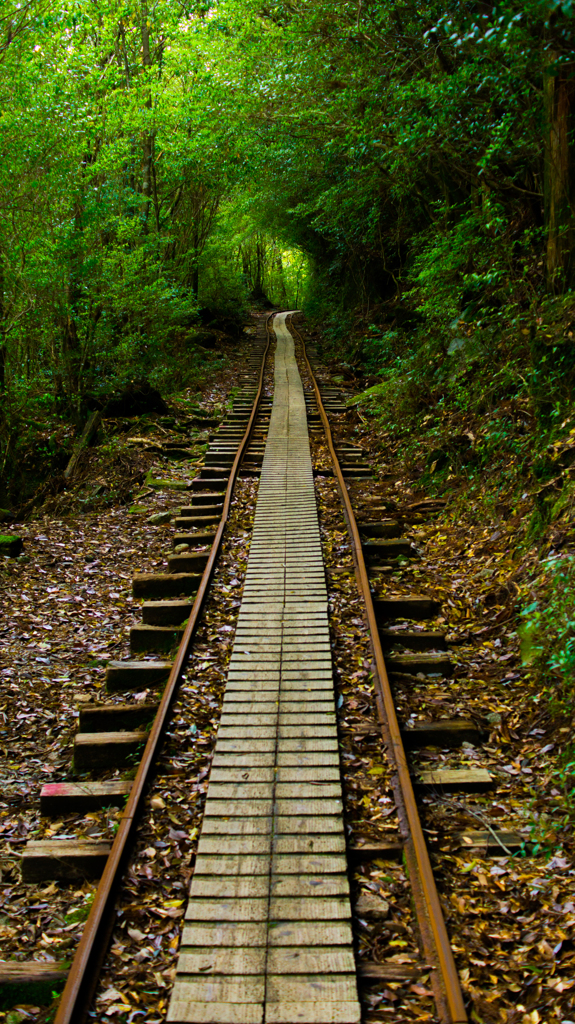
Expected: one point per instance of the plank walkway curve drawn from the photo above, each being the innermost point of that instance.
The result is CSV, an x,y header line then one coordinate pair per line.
x,y
267,936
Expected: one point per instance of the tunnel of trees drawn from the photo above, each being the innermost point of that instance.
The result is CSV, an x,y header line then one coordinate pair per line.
x,y
403,172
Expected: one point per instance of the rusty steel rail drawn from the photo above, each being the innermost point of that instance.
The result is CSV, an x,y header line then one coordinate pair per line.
x,y
84,972
435,940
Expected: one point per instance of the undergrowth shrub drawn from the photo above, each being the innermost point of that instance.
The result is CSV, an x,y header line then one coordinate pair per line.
x,y
548,632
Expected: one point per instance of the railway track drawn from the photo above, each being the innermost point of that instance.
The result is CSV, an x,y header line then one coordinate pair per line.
x,y
267,934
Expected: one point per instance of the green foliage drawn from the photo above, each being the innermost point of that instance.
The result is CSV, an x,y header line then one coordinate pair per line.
x,y
80,913
388,169
548,632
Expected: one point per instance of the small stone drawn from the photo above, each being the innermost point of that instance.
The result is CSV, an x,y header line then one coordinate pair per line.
x,y
371,905
181,547
160,517
494,718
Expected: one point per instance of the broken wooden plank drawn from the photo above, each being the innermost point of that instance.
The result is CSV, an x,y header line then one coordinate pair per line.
x,y
30,972
73,797
497,842
65,860
469,780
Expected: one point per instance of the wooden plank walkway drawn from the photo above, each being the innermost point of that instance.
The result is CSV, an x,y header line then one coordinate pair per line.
x,y
267,938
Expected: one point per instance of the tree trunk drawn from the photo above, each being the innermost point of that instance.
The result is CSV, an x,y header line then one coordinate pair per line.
x,y
70,339
87,434
195,282
559,92
148,137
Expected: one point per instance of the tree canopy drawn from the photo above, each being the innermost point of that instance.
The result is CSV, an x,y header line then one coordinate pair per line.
x,y
166,157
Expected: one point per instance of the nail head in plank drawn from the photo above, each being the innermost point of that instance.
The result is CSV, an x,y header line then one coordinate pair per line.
x,y
240,775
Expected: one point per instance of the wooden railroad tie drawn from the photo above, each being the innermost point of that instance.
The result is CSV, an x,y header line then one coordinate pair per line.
x,y
158,585
442,732
160,639
131,675
409,607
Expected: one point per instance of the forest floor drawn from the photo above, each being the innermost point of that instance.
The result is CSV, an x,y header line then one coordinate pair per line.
x,y
66,610
490,554
513,915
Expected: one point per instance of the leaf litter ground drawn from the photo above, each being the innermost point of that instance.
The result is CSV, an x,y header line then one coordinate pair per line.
x,y
510,917
67,610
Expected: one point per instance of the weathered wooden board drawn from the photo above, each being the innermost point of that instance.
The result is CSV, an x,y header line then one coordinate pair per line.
x,y
267,935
